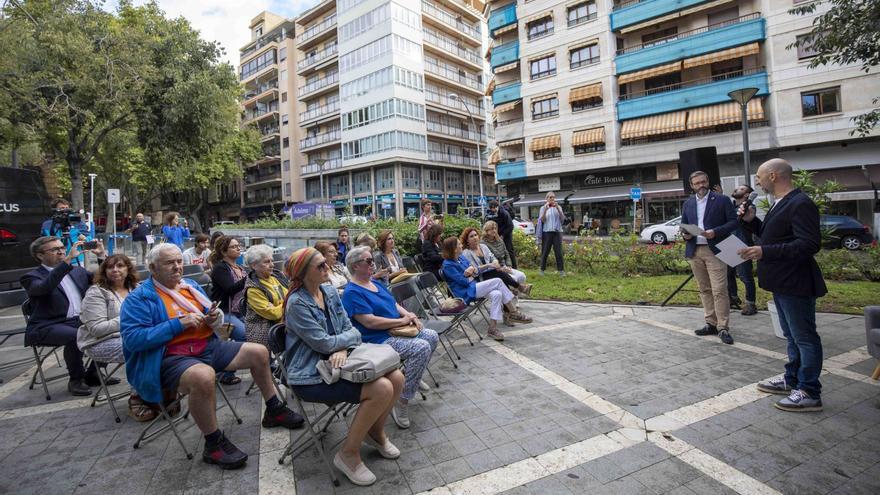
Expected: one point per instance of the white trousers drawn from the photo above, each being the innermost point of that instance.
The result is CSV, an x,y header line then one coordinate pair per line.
x,y
519,276
498,295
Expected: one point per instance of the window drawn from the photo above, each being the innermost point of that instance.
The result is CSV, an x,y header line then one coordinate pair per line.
x,y
282,54
378,48
723,17
313,189
339,185
286,165
543,67
384,142
412,177
805,47
286,142
287,190
434,180
578,106
282,76
362,182
581,13
258,32
257,64
727,69
394,107
454,181
820,102
540,28
284,119
284,97
546,108
585,55
665,82
385,178
548,154
660,37
589,148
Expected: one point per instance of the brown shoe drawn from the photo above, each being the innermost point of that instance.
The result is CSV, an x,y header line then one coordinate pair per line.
x,y
520,317
139,410
508,321
526,290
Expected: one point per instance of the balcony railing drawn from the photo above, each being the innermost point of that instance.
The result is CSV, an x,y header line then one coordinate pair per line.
x,y
504,54
511,168
691,83
317,112
313,168
260,90
324,137
501,17
451,20
451,130
475,107
317,57
245,75
267,131
692,32
454,74
319,84
448,44
261,43
506,93
632,12
254,179
454,159
262,110
316,30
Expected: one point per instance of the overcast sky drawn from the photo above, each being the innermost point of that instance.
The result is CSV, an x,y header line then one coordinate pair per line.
x,y
226,21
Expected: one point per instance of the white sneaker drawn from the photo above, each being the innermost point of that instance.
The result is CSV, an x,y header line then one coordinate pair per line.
x,y
360,475
424,386
388,451
400,414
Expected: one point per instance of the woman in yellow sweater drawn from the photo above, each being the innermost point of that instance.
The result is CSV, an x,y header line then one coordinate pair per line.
x,y
263,304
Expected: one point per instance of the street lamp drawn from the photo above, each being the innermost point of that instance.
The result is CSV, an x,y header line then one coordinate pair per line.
x,y
320,163
742,96
92,201
453,96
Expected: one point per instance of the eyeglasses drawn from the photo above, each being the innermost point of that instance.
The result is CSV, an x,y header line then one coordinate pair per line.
x,y
234,246
368,261
59,249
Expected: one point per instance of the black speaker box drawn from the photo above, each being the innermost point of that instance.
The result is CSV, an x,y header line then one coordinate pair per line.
x,y
705,159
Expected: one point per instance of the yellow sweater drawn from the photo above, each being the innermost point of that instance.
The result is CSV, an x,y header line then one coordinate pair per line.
x,y
257,299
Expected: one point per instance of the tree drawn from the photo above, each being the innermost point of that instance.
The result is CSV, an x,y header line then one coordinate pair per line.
x,y
848,33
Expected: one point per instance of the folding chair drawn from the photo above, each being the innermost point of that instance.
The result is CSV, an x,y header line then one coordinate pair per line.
x,y
474,307
410,264
405,295
41,354
6,335
103,394
276,349
420,262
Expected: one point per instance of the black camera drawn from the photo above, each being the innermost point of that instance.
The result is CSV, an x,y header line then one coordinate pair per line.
x,y
64,217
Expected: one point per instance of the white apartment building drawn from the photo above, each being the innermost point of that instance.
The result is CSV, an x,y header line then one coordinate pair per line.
x,y
593,97
391,105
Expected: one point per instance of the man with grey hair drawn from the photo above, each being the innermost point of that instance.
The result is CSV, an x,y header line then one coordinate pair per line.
x,y
788,238
167,326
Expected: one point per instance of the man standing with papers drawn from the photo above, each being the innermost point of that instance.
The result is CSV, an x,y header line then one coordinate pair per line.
x,y
707,218
788,238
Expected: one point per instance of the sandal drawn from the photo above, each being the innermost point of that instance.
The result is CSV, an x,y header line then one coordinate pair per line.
x,y
520,317
229,380
139,410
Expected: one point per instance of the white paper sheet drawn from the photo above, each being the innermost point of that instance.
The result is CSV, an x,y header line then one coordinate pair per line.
x,y
691,229
728,248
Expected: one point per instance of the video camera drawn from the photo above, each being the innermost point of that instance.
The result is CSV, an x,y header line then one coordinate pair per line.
x,y
62,218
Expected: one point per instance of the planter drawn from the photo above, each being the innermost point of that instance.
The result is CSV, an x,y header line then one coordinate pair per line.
x,y
288,238
774,317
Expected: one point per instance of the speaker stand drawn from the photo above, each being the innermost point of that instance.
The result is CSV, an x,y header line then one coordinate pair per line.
x,y
677,290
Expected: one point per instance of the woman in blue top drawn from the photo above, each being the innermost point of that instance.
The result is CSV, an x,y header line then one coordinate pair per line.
x,y
319,329
374,312
460,276
174,233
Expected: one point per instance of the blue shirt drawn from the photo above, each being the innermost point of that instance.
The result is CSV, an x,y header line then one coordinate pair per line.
x,y
360,301
553,222
175,235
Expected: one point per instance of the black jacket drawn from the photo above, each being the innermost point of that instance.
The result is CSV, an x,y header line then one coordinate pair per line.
x,y
431,258
48,302
789,237
223,287
505,223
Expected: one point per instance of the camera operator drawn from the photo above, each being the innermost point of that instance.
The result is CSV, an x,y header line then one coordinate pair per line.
x,y
66,224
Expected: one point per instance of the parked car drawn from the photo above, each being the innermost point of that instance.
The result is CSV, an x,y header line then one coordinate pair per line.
x,y
661,233
353,219
845,232
524,226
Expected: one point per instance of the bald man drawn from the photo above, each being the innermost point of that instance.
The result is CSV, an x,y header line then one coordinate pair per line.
x,y
788,238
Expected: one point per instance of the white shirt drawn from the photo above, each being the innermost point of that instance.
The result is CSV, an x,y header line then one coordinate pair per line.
x,y
701,212
71,291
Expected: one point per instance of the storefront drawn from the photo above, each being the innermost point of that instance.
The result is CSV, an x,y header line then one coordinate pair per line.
x,y
453,203
362,205
386,206
411,202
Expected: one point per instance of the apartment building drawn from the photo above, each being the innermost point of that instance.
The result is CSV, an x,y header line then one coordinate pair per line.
x,y
267,73
391,105
593,97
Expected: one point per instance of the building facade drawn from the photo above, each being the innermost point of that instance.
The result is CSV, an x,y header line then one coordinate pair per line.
x,y
391,105
593,97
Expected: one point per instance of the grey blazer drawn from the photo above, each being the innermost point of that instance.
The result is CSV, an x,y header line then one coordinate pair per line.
x,y
382,261
99,317
472,258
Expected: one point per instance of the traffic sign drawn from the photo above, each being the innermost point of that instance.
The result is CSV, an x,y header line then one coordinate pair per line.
x,y
482,201
113,196
635,193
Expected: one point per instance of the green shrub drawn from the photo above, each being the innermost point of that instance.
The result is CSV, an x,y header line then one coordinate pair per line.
x,y
287,223
842,264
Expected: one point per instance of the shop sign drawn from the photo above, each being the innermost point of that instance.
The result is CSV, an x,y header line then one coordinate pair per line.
x,y
456,196
667,171
546,184
437,197
415,196
608,178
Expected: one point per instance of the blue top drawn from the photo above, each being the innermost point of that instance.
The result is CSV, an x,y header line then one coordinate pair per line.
x,y
175,235
360,301
461,286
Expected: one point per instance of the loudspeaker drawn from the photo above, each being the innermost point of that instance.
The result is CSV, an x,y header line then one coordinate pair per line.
x,y
705,159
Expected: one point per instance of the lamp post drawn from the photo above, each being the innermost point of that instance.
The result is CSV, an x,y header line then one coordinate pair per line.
x,y
320,163
92,200
742,96
454,96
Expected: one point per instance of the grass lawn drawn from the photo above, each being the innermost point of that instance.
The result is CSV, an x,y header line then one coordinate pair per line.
x,y
842,297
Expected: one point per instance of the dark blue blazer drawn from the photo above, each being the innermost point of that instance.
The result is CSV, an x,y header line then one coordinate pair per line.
x,y
720,216
47,300
789,236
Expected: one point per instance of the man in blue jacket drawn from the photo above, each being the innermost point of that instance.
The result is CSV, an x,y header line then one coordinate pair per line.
x,y
788,238
167,326
713,213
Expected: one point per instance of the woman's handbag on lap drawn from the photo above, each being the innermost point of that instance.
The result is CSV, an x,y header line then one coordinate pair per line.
x,y
410,330
364,364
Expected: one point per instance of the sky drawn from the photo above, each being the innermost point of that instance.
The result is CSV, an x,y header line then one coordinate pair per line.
x,y
226,21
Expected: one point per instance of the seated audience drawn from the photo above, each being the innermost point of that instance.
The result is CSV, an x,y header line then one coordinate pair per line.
x,y
495,243
228,279
318,329
169,343
98,337
342,244
374,312
461,276
338,273
389,265
432,260
264,294
364,239
55,290
481,257
199,253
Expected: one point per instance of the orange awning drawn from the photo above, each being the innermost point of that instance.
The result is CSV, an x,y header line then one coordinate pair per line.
x,y
731,53
504,29
546,143
588,136
495,157
585,92
653,71
656,124
506,107
507,144
490,87
725,113
506,67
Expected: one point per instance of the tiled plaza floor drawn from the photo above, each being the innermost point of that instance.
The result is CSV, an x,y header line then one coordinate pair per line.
x,y
586,399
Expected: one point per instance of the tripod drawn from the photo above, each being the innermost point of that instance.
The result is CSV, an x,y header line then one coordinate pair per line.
x,y
677,290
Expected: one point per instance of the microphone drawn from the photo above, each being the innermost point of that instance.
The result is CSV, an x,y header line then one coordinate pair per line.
x,y
749,202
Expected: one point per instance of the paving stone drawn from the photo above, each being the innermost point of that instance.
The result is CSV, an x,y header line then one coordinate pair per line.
x,y
454,470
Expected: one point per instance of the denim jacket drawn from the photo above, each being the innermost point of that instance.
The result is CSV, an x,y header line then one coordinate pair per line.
x,y
308,340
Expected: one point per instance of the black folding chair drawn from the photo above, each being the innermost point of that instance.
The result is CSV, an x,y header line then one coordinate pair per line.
x,y
407,295
103,395
410,264
276,349
41,354
420,262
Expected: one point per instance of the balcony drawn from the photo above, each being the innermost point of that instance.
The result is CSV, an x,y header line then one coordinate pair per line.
x,y
451,20
320,84
325,54
450,46
691,94
505,54
315,32
319,139
243,76
713,38
261,111
506,93
313,168
454,131
454,159
269,132
319,112
454,74
511,169
260,92
508,130
502,17
637,11
262,178
475,106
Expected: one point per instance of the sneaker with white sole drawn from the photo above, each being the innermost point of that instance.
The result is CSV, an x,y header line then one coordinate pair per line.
x,y
424,387
400,414
388,451
799,401
775,385
360,475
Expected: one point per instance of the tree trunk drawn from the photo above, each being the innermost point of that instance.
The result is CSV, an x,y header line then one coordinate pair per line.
x,y
14,157
197,223
75,166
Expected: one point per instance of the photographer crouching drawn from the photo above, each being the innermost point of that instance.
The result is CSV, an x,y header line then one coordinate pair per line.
x,y
67,224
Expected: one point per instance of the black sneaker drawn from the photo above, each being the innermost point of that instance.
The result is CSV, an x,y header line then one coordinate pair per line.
x,y
749,309
224,454
283,417
775,385
706,330
725,337
78,387
735,302
94,381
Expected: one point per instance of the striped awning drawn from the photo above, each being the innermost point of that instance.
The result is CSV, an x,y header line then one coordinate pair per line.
x,y
656,124
585,92
725,113
548,96
681,13
506,107
490,87
546,143
506,67
495,157
507,144
502,30
542,15
588,136
653,71
581,44
711,58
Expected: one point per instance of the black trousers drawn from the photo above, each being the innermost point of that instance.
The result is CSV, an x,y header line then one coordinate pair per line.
x,y
508,243
505,277
554,240
64,334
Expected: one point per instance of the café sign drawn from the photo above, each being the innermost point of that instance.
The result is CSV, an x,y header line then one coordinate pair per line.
x,y
608,178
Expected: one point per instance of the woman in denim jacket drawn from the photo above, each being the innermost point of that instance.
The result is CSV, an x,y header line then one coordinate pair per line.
x,y
317,329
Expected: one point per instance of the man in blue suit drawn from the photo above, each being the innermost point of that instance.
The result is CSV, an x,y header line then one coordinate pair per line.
x,y
714,214
55,290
